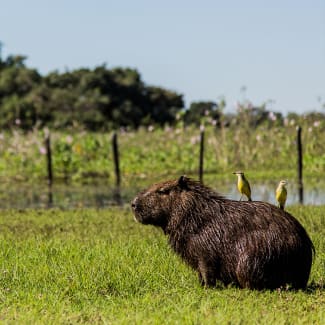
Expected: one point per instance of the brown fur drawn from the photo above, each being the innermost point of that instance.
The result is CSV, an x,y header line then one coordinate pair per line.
x,y
250,244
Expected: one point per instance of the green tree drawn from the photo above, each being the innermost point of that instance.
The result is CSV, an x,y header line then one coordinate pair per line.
x,y
97,98
198,111
16,82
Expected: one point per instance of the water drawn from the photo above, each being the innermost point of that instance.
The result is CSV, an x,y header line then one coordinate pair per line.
x,y
22,195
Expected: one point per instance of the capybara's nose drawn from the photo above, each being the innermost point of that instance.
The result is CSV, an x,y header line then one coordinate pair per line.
x,y
134,203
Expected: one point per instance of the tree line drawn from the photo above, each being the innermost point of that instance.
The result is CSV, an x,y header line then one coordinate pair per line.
x,y
92,98
99,99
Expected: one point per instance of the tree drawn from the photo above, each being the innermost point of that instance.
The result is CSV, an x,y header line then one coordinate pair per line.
x,y
163,105
199,110
97,98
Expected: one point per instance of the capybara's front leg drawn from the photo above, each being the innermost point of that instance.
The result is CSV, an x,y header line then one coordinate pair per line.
x,y
207,274
201,281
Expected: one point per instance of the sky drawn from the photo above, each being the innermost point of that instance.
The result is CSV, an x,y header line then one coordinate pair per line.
x,y
263,51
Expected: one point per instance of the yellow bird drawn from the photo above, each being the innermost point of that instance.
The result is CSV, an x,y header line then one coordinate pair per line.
x,y
281,194
243,186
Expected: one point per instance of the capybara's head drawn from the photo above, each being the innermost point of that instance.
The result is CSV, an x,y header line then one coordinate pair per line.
x,y
155,205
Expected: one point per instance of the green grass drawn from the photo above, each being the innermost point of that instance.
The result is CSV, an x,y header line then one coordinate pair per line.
x,y
99,266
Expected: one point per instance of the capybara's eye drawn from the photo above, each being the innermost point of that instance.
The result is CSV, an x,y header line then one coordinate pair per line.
x,y
163,190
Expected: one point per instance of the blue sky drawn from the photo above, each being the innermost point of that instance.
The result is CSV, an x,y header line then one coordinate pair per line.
x,y
202,49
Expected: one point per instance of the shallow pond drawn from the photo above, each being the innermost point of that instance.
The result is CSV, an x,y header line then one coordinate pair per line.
x,y
21,196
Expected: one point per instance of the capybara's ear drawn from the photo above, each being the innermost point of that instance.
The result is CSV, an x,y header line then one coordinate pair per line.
x,y
182,182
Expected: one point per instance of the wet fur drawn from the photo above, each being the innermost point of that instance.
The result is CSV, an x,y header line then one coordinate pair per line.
x,y
250,244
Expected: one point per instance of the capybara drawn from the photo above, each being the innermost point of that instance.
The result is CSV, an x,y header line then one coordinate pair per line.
x,y
252,245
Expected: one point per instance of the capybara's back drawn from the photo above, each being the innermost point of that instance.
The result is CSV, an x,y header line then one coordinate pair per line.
x,y
250,244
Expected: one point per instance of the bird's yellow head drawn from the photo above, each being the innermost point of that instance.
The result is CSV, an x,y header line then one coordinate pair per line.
x,y
283,183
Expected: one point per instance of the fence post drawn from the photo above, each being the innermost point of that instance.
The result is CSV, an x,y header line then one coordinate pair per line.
x,y
116,160
49,158
49,197
201,154
300,166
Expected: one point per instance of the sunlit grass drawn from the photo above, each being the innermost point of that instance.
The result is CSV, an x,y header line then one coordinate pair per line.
x,y
99,266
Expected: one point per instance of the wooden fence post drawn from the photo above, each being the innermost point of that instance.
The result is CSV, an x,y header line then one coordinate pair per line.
x,y
201,154
300,167
116,160
49,159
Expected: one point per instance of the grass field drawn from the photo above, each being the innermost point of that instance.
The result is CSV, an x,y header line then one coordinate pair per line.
x,y
100,267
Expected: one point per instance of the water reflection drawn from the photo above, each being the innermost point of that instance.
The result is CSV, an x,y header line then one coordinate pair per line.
x,y
64,196
60,196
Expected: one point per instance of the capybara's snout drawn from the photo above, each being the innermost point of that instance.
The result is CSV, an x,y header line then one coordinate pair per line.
x,y
136,210
134,203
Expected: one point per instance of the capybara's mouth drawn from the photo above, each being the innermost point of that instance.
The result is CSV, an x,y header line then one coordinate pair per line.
x,y
135,210
138,217
135,213
134,204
